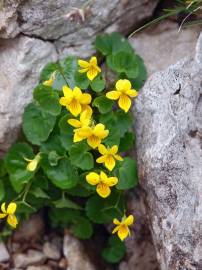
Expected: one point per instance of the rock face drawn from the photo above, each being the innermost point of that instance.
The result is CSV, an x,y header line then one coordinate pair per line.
x,y
33,33
169,147
164,45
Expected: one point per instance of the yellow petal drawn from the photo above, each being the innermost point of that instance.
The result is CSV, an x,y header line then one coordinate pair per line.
x,y
77,138
114,95
115,229
2,215
67,91
102,149
32,165
103,176
101,159
3,208
88,112
83,70
92,73
111,181
113,149
123,85
48,82
77,93
99,131
110,162
93,141
124,103
103,190
84,132
93,178
129,220
132,93
12,221
64,101
74,123
116,221
11,208
93,61
123,232
83,64
74,107
117,157
85,99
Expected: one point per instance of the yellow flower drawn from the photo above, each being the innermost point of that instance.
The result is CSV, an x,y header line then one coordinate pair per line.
x,y
93,134
50,81
90,67
74,100
123,93
122,226
9,213
109,155
103,183
84,121
33,163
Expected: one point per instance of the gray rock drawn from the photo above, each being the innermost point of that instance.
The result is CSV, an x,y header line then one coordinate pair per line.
x,y
4,255
168,115
32,257
75,254
164,45
22,59
41,267
51,251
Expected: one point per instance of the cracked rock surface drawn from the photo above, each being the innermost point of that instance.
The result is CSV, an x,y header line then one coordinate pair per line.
x,y
169,148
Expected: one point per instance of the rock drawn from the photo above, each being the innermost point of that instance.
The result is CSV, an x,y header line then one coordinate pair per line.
x,y
75,254
41,267
22,59
4,255
51,251
168,125
163,45
30,230
140,251
32,257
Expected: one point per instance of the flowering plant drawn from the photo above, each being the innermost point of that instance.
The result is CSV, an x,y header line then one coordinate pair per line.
x,y
73,159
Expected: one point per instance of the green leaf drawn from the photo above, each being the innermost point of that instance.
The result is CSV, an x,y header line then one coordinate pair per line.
x,y
80,156
112,43
128,177
61,217
47,71
98,84
83,228
2,190
113,138
16,165
126,142
80,191
39,193
66,203
64,175
103,104
101,210
68,67
2,168
53,144
124,122
47,99
115,251
37,125
81,80
139,81
123,62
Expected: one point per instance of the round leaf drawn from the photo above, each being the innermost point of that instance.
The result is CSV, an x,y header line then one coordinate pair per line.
x,y
82,228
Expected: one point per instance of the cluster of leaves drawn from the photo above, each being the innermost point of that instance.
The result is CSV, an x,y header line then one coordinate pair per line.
x,y
59,183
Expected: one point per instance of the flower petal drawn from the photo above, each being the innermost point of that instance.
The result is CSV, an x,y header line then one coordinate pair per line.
x,y
118,157
74,123
103,176
32,165
132,93
99,131
67,91
92,73
114,95
48,82
110,162
3,208
2,215
83,64
123,232
93,178
77,93
11,208
115,229
74,107
93,141
124,103
83,70
123,85
84,132
116,221
111,181
101,159
12,221
103,190
88,112
77,138
85,99
113,149
93,61
129,220
102,149
64,101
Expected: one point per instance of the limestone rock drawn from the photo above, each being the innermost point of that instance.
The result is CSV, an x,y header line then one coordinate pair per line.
x,y
33,257
4,255
22,59
51,251
75,254
168,115
164,45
